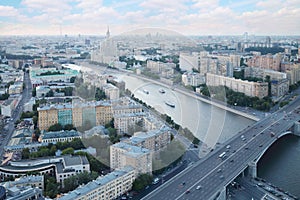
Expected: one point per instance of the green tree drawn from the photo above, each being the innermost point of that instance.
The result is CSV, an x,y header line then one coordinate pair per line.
x,y
69,127
72,79
142,181
66,151
25,153
68,91
55,127
51,187
50,94
100,94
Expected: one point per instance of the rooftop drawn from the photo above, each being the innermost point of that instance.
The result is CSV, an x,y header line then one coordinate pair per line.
x,y
60,134
100,181
131,148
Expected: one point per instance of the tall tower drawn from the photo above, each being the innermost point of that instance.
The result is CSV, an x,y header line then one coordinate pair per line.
x,y
107,33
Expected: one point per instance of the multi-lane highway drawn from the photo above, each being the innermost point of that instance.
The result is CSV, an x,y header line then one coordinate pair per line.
x,y
208,176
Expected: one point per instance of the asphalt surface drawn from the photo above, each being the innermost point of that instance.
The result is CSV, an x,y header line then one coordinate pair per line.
x,y
213,173
26,95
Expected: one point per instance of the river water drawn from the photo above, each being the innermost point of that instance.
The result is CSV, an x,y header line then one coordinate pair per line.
x,y
208,123
280,165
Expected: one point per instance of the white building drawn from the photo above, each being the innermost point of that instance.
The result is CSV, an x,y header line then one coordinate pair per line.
x,y
123,154
111,91
41,91
252,89
123,121
29,105
107,52
61,167
193,79
188,61
9,105
106,187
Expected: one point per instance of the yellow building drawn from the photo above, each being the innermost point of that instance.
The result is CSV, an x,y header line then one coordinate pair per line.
x,y
77,116
48,116
103,113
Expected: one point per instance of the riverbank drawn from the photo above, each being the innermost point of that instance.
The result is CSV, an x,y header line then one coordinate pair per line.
x,y
193,95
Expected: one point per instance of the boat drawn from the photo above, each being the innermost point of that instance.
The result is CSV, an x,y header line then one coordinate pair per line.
x,y
169,103
145,91
162,91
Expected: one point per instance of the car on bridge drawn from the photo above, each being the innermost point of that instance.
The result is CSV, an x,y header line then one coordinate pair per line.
x,y
198,187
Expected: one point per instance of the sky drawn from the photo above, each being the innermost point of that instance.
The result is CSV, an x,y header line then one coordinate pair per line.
x,y
187,17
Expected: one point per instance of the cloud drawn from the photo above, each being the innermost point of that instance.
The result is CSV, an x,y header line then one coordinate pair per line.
x,y
89,5
185,16
48,6
164,6
8,11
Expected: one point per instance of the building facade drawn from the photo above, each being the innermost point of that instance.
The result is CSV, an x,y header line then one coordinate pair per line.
x,y
106,187
252,89
123,154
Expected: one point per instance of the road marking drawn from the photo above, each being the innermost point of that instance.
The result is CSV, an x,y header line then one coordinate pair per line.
x,y
225,160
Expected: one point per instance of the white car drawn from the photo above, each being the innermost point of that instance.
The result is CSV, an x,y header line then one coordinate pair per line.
x,y
198,187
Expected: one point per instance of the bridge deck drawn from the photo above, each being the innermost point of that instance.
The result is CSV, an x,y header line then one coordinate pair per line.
x,y
213,173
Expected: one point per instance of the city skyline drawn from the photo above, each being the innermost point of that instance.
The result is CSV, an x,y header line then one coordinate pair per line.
x,y
195,17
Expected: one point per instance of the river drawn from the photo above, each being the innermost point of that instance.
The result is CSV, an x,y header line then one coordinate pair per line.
x,y
280,164
208,123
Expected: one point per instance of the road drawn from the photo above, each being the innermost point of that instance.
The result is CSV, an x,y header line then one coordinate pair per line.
x,y
213,173
26,95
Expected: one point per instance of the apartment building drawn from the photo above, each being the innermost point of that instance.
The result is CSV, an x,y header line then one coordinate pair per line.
x,y
111,91
160,67
78,114
293,74
104,113
262,73
126,109
192,78
106,187
48,116
123,121
268,61
123,154
279,88
253,89
153,140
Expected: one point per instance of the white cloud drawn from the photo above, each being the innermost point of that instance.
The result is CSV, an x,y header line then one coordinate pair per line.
x,y
185,16
205,5
48,6
8,11
89,5
160,5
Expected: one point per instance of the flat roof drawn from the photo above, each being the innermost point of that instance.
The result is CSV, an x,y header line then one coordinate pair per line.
x,y
93,185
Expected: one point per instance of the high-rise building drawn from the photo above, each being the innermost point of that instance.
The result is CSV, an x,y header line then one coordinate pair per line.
x,y
107,52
